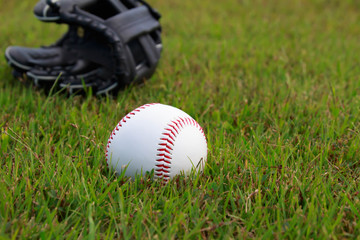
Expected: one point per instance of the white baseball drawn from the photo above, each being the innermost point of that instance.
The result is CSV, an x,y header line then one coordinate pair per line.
x,y
159,137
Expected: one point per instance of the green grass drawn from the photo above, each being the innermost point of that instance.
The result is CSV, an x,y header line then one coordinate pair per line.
x,y
276,87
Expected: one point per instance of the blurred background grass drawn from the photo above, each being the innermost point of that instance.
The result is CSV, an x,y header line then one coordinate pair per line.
x,y
275,84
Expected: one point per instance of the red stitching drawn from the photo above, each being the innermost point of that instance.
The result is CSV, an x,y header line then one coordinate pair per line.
x,y
117,128
183,120
165,139
165,177
163,166
177,124
174,128
179,121
164,151
170,131
162,160
169,136
165,145
165,156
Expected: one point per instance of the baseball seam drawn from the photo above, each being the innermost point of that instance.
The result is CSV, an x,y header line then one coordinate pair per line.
x,y
120,124
167,142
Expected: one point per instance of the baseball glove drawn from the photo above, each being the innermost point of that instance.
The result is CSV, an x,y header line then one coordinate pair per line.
x,y
109,44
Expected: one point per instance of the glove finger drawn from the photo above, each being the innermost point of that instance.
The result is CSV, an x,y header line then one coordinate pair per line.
x,y
97,78
100,80
46,12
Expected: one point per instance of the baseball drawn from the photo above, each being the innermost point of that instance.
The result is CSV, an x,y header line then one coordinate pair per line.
x,y
160,137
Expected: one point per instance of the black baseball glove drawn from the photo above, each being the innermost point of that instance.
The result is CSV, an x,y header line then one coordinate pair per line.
x,y
109,44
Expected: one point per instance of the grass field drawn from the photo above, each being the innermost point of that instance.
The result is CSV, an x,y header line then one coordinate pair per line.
x,y
275,85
